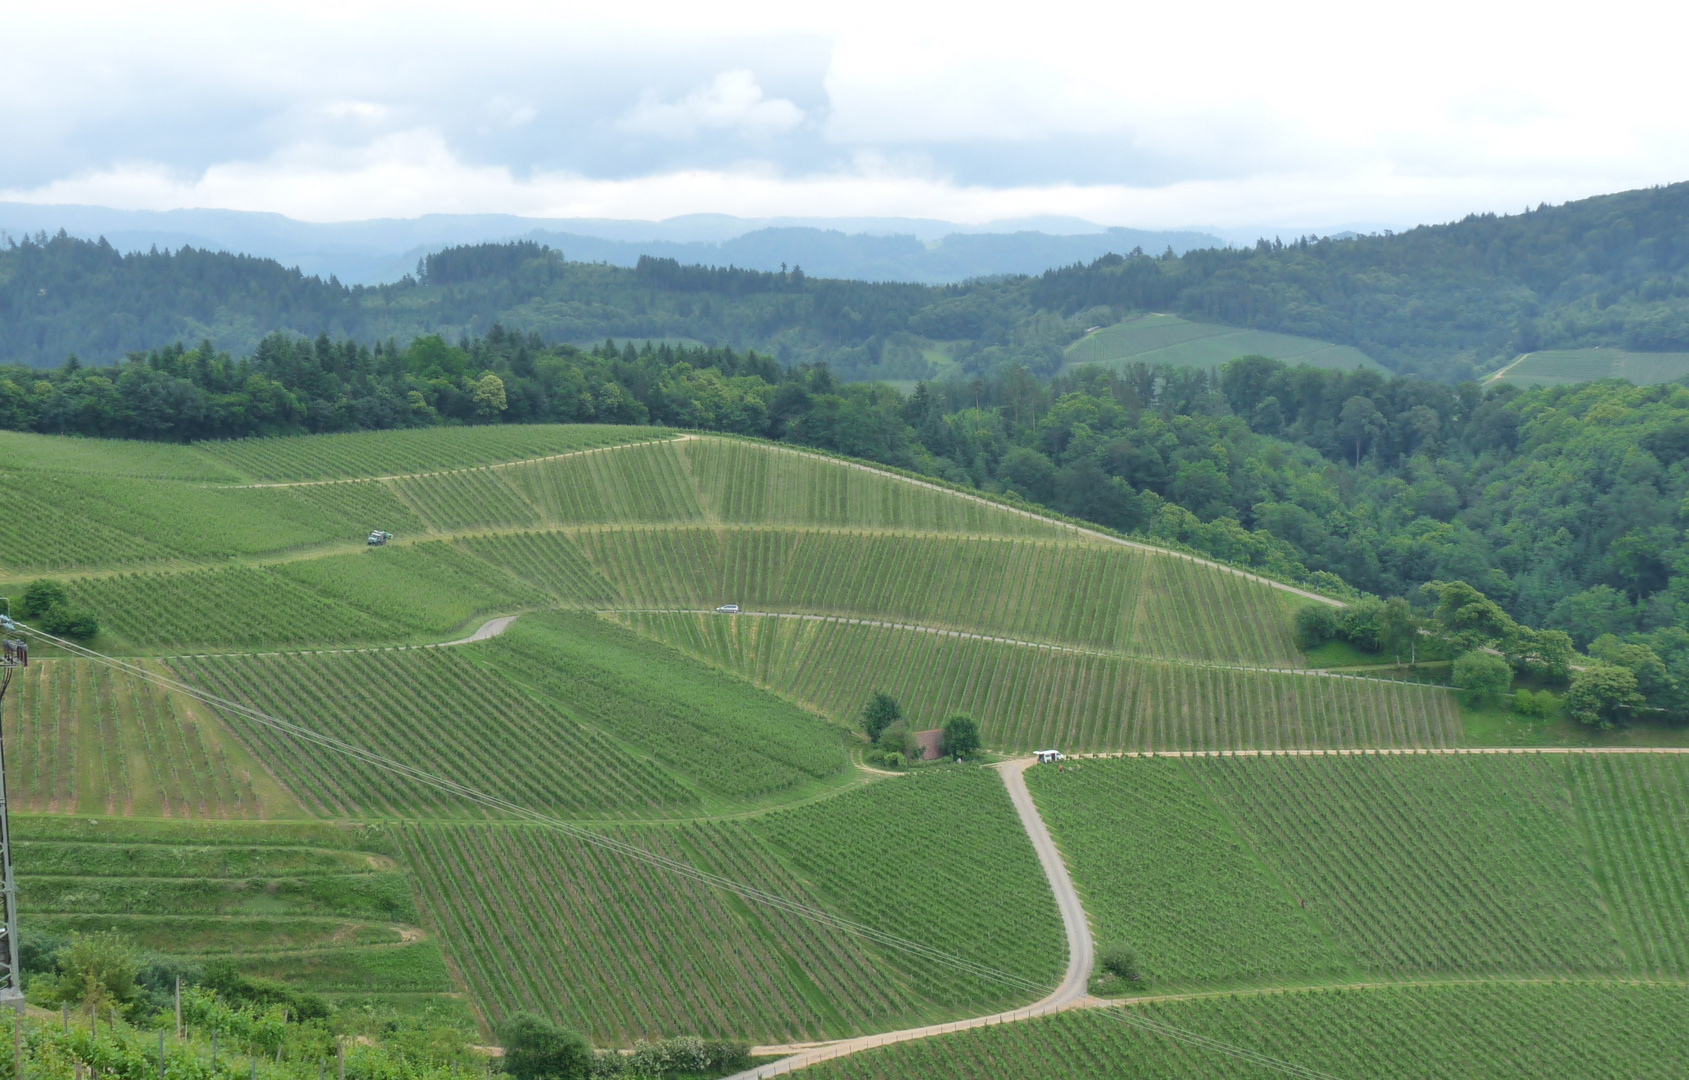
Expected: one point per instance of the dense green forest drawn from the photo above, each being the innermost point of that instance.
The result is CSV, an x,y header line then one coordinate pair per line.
x,y
1442,301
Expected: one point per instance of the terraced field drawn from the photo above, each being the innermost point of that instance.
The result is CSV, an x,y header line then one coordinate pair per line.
x,y
309,902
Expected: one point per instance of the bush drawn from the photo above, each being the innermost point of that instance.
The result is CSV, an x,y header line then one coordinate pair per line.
x,y
1540,704
1121,961
1361,624
98,968
894,760
1316,624
898,739
1483,677
223,977
66,621
537,1049
42,595
960,737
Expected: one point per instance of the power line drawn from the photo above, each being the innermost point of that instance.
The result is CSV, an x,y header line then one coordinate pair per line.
x,y
651,858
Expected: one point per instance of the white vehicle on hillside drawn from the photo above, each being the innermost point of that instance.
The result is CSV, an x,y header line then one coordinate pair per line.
x,y
1049,757
727,609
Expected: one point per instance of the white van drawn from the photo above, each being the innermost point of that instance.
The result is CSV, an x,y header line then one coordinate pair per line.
x,y
1047,757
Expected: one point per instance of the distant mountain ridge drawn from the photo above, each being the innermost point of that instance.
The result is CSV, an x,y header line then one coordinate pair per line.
x,y
384,250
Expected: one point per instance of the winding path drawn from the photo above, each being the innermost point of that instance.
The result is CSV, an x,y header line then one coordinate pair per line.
x,y
1073,991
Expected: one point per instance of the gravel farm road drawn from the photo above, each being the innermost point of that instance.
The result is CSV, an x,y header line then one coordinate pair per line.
x,y
1073,991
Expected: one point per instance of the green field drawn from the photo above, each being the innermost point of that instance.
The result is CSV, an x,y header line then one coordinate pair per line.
x,y
538,921
1555,367
954,840
1168,339
1027,696
1496,1032
1387,867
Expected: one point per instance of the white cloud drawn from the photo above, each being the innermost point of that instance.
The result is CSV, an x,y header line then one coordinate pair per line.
x,y
732,103
415,172
1210,112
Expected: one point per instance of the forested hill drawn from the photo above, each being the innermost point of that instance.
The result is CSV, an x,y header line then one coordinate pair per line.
x,y
1439,300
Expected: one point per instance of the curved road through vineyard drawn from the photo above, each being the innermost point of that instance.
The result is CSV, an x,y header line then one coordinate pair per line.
x,y
1074,988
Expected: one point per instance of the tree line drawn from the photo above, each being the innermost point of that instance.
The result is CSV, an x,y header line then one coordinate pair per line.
x,y
1563,506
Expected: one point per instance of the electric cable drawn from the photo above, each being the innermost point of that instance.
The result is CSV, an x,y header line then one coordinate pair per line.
x,y
612,844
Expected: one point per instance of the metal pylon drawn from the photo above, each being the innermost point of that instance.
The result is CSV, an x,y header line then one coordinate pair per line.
x,y
15,655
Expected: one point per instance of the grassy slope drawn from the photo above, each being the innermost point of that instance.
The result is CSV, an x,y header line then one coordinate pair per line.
x,y
1168,339
1556,366
325,907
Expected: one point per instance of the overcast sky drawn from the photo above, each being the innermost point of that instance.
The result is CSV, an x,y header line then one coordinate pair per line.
x,y
1151,115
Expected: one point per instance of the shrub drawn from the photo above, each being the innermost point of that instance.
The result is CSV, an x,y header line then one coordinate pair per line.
x,y
98,969
960,737
1121,961
1361,624
42,595
894,760
66,621
1316,624
1483,677
1540,704
537,1049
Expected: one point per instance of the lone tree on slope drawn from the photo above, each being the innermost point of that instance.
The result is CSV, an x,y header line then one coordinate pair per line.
x,y
960,737
881,712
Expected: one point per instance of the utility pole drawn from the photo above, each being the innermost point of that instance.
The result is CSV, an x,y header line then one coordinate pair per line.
x,y
14,654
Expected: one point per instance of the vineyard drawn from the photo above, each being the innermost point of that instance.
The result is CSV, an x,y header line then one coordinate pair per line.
x,y
548,561
1429,865
727,737
539,921
1162,869
1636,814
431,587
423,707
387,453
82,738
751,483
937,857
1027,697
238,607
1432,1032
1106,597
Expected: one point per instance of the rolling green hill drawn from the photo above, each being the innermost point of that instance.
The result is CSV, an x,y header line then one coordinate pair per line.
x,y
1557,367
1168,339
622,700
